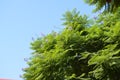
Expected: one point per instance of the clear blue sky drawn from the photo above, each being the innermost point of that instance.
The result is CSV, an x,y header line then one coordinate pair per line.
x,y
20,20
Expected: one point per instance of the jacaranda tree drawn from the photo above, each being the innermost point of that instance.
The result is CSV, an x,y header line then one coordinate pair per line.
x,y
81,51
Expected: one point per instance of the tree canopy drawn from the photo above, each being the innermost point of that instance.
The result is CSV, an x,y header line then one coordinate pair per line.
x,y
110,5
81,51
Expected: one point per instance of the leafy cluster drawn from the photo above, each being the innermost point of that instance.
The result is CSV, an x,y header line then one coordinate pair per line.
x,y
110,5
81,51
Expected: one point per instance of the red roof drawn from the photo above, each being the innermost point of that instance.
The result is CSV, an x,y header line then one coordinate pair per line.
x,y
4,79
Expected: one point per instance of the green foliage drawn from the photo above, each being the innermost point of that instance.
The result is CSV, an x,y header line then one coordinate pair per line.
x,y
73,20
109,19
80,52
110,5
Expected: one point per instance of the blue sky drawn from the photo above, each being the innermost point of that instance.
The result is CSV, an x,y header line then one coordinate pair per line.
x,y
20,20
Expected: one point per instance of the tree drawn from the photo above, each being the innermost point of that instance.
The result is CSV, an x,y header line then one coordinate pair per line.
x,y
56,55
81,51
110,5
